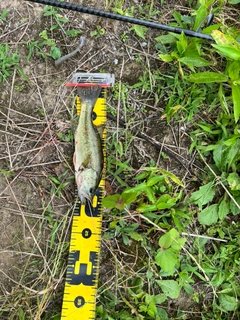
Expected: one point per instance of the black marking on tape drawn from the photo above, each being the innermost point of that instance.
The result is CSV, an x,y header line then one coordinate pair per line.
x,y
81,276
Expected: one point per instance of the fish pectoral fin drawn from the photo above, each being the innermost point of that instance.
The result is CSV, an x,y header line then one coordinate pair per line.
x,y
100,129
85,163
74,159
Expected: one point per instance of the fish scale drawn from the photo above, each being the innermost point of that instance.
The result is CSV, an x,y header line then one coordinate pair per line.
x,y
79,300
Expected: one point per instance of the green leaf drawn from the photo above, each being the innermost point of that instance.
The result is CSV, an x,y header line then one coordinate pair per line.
x,y
147,208
206,77
236,101
73,33
162,314
201,15
220,157
160,298
166,39
167,260
178,244
204,195
172,177
182,43
166,57
141,176
129,197
228,51
166,240
135,236
226,45
140,31
225,40
139,187
233,180
223,209
233,207
171,288
234,1
233,70
195,61
209,215
227,303
150,194
154,180
111,201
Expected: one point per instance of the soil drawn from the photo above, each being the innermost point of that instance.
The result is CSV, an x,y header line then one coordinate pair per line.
x,y
35,113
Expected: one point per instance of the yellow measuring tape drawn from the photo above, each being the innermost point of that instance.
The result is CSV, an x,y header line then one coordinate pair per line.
x,y
79,300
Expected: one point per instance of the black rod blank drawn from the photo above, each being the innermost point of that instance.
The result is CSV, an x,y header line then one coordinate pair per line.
x,y
114,16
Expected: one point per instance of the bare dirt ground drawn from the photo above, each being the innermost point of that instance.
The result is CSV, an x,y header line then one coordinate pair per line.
x,y
34,114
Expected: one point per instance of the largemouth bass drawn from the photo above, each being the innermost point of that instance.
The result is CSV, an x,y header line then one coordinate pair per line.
x,y
88,155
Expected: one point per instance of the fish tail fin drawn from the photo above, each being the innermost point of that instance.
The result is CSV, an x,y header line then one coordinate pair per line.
x,y
90,93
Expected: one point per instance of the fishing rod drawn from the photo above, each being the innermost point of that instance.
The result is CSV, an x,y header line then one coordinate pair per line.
x,y
114,16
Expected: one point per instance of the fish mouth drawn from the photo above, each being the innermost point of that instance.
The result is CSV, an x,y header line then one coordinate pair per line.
x,y
83,197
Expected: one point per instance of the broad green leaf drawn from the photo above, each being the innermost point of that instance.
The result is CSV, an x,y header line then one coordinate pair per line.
x,y
111,201
182,43
233,207
166,57
178,244
139,187
167,260
147,208
141,176
174,233
188,288
233,70
232,153
135,236
228,51
223,209
162,314
195,61
171,288
226,45
233,180
236,101
165,202
227,303
206,77
225,40
201,15
130,197
140,31
177,17
172,177
209,215
160,298
234,1
166,240
231,141
220,157
218,278
150,194
126,239
155,179
162,206
204,195
165,39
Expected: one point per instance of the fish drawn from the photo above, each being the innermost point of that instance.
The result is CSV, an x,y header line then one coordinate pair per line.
x,y
88,155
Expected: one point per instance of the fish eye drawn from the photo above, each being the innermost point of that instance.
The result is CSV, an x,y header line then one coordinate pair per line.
x,y
91,190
